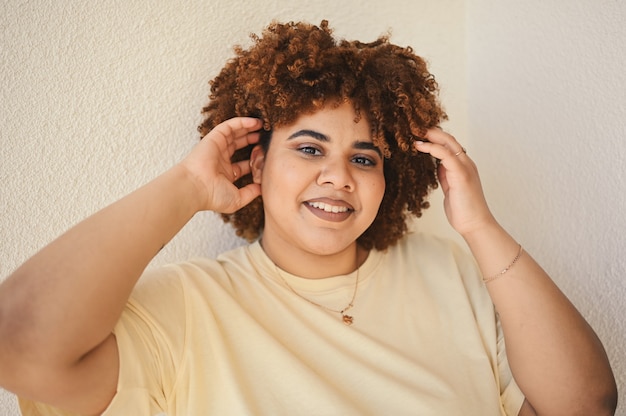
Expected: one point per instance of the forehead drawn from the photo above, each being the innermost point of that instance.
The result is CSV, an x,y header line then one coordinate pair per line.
x,y
332,121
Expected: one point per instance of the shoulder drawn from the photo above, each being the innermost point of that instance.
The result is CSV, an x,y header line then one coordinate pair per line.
x,y
446,272
431,248
435,259
174,276
173,288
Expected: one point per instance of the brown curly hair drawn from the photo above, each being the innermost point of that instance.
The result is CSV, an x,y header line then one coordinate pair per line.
x,y
298,68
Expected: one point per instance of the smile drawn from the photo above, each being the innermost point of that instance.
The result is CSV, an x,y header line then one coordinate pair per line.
x,y
328,207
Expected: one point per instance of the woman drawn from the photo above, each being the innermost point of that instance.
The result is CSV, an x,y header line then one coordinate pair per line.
x,y
316,151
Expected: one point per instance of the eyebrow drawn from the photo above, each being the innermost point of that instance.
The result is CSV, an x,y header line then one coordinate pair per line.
x,y
324,138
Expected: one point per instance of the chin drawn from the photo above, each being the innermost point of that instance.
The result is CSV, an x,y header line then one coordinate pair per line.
x,y
329,245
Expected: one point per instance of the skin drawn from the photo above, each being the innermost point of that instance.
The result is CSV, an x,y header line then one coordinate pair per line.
x,y
557,360
324,158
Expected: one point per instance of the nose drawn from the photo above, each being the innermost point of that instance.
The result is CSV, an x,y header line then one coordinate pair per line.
x,y
337,174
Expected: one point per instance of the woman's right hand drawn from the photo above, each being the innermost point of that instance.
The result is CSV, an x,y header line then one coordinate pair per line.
x,y
209,165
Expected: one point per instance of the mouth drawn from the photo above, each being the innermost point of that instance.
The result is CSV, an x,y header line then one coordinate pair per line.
x,y
332,211
328,207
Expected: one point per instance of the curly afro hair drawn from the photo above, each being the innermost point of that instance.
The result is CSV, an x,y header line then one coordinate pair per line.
x,y
298,68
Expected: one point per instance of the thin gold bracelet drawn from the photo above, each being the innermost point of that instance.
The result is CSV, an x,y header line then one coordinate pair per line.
x,y
507,268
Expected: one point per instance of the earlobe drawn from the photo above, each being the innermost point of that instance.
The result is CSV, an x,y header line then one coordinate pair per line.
x,y
257,161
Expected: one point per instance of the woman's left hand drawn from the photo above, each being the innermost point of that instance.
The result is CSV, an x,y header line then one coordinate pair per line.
x,y
464,201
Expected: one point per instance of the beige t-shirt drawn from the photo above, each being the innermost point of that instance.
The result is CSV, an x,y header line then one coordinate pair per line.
x,y
227,337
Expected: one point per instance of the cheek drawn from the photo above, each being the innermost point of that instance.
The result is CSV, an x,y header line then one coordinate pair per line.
x,y
381,193
281,180
375,189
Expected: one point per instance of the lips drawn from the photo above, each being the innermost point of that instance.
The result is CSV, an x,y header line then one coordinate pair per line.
x,y
334,211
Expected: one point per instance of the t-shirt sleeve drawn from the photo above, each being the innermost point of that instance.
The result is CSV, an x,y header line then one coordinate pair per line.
x,y
511,396
150,337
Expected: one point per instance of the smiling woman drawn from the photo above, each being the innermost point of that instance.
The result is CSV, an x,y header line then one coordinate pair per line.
x,y
317,151
296,69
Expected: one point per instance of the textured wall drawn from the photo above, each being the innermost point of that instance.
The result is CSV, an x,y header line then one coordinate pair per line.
x,y
99,97
547,111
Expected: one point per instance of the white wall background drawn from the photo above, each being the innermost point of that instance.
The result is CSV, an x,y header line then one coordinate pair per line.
x,y
547,119
97,99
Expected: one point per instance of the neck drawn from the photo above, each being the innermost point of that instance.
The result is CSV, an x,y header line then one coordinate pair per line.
x,y
312,265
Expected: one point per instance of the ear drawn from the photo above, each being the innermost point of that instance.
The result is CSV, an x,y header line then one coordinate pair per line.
x,y
257,162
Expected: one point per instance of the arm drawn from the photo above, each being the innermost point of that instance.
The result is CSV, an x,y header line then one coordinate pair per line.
x,y
58,309
556,358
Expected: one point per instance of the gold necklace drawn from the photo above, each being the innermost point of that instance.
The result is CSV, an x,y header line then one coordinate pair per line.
x,y
347,319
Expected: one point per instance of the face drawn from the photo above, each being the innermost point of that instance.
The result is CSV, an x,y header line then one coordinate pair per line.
x,y
322,183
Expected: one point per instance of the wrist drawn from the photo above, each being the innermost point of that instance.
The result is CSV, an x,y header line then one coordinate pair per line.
x,y
481,229
189,188
489,237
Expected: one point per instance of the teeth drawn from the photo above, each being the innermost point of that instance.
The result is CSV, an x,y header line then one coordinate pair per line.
x,y
328,207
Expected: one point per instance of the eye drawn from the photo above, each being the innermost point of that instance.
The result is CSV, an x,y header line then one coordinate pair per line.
x,y
364,160
309,150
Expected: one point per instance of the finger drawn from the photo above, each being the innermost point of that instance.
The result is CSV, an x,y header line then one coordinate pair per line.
x,y
240,169
238,124
239,142
442,138
249,192
237,129
441,145
245,140
245,195
443,154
